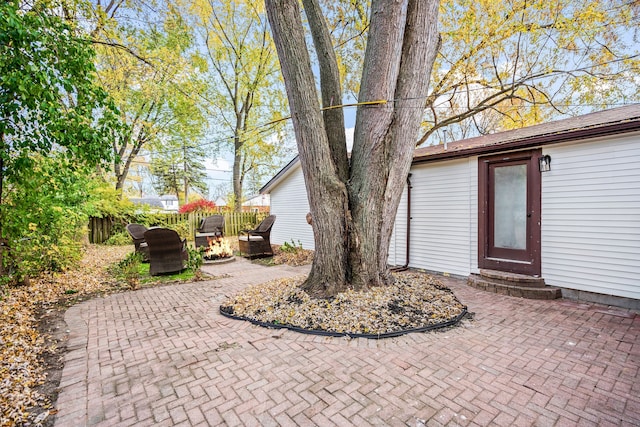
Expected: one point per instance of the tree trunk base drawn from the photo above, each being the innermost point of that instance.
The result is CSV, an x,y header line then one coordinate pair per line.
x,y
317,287
320,287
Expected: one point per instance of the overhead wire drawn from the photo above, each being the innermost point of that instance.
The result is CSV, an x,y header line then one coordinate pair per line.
x,y
258,129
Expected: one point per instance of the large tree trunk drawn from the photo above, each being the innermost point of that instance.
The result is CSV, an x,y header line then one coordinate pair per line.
x,y
326,192
353,213
237,175
397,67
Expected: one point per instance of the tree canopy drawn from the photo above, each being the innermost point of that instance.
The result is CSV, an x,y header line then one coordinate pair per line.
x,y
49,96
147,63
245,90
56,123
177,170
504,65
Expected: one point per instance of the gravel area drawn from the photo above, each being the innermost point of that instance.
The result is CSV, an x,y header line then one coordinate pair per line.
x,y
415,301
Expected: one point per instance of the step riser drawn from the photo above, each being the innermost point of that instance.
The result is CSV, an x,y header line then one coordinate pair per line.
x,y
528,292
511,279
532,284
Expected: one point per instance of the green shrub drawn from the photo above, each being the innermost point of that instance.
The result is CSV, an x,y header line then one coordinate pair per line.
x,y
181,228
129,269
195,259
37,250
44,218
291,247
119,239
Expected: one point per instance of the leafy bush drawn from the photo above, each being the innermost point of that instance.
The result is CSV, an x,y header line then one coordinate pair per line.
x,y
291,247
129,268
200,205
107,202
181,228
45,218
195,259
119,239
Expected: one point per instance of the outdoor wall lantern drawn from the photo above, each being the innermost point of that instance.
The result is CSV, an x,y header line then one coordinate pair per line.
x,y
545,163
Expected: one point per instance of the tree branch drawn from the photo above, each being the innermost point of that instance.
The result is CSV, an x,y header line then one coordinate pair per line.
x,y
119,47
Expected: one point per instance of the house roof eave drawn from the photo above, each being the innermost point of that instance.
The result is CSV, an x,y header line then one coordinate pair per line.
x,y
604,123
266,189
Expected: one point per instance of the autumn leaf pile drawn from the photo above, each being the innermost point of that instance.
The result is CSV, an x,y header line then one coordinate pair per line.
x,y
294,258
21,346
414,301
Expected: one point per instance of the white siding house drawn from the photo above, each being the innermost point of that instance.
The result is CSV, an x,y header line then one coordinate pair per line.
x,y
591,216
582,216
290,206
170,202
398,245
443,211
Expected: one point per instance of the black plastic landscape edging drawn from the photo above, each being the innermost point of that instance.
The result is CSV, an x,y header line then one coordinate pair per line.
x,y
347,334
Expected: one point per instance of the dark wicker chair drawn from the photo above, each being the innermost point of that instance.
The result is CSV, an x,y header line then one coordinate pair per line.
x,y
167,252
256,243
210,227
136,231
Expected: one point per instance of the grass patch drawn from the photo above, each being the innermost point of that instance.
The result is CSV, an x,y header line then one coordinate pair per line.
x,y
147,279
135,273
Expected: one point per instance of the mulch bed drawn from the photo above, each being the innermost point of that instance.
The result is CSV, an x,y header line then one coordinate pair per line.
x,y
416,302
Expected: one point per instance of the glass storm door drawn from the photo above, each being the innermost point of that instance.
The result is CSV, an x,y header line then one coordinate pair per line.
x,y
509,213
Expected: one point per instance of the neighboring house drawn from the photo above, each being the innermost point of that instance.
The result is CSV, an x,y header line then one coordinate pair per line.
x,y
257,203
167,203
483,204
170,202
220,202
153,202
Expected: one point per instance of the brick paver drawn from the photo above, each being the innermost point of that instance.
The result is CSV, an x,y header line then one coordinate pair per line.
x,y
165,356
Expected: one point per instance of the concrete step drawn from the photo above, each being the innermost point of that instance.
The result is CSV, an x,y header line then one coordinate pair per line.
x,y
512,278
514,290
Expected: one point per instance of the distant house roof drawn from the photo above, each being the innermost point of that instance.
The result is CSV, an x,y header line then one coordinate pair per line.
x,y
602,123
154,202
257,200
169,197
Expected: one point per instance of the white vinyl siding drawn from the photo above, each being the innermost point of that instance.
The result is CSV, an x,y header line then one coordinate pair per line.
x,y
398,244
473,215
290,205
443,213
591,216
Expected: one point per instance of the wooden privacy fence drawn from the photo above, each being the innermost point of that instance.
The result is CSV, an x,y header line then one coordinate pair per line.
x,y
100,229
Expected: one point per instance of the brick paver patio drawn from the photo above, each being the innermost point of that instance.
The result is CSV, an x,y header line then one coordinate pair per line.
x,y
165,357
